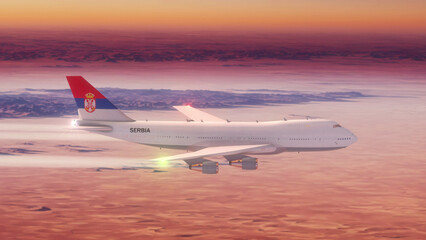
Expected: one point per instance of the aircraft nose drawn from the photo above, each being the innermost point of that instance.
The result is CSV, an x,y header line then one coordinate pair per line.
x,y
352,136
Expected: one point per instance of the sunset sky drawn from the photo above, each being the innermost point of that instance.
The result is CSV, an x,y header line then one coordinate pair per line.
x,y
246,15
183,41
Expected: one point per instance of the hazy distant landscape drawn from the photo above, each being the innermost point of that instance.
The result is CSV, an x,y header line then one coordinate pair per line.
x,y
55,103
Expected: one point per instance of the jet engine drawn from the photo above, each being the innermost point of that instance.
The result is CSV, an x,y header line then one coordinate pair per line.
x,y
203,165
243,162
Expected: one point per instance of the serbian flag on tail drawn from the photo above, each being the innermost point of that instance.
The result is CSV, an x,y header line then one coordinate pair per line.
x,y
92,105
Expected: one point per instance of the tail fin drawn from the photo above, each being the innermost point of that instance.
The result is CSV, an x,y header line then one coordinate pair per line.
x,y
92,105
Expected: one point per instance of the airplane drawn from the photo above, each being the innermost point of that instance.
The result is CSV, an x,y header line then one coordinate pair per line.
x,y
204,135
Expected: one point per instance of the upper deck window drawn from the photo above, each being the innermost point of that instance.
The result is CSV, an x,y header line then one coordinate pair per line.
x,y
336,126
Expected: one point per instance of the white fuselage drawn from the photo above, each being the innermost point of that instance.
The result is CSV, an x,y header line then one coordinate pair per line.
x,y
291,135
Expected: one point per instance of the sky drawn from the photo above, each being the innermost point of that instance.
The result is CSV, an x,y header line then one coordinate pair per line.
x,y
394,16
164,42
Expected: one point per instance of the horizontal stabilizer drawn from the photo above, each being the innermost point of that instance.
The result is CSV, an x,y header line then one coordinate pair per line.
x,y
94,128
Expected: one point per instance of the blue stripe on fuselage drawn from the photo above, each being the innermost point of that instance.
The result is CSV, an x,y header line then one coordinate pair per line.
x,y
101,103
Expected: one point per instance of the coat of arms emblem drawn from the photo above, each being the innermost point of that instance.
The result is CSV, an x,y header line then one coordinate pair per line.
x,y
89,102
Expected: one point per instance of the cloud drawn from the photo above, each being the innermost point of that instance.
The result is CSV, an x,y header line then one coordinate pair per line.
x,y
59,48
61,66
42,209
13,151
83,149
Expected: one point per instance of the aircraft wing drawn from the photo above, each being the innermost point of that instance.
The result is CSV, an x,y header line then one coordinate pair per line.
x,y
197,115
213,151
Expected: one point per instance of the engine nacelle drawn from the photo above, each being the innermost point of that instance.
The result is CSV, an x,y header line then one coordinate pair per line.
x,y
246,163
207,167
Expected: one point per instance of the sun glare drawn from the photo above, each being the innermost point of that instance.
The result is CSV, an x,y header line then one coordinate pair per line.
x,y
162,163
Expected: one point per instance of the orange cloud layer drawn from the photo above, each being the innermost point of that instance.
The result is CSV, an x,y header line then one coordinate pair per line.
x,y
396,15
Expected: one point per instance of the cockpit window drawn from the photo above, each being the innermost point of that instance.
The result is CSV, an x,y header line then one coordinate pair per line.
x,y
336,126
